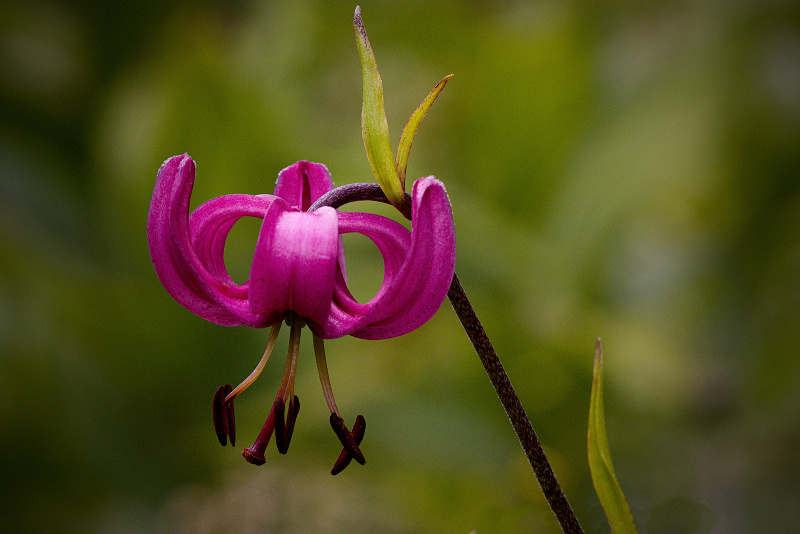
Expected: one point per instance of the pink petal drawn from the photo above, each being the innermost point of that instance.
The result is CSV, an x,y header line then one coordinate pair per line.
x,y
209,226
302,183
393,241
201,286
294,265
168,238
418,270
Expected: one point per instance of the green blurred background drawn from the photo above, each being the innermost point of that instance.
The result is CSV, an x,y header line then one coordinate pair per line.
x,y
615,170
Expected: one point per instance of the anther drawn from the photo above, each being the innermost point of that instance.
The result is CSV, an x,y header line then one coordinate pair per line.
x,y
284,428
345,456
224,420
346,438
280,426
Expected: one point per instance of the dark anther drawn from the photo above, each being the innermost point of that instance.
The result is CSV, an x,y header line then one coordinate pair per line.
x,y
224,420
280,425
293,410
346,438
285,427
345,456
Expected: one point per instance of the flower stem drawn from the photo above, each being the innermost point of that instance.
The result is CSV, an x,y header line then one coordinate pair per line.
x,y
513,407
491,362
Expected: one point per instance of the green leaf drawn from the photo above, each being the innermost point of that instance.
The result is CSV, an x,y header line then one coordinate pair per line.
x,y
605,481
411,128
374,127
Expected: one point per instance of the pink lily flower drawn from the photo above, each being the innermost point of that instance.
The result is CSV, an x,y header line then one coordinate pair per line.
x,y
298,276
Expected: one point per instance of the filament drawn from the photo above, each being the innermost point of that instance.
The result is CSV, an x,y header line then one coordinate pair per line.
x,y
287,383
273,336
324,378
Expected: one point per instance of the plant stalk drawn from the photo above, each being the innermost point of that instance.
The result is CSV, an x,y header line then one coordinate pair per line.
x,y
513,407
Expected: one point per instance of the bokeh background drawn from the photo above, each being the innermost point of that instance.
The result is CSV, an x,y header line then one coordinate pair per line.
x,y
615,170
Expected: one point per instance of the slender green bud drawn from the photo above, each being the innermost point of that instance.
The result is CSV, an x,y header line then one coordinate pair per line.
x,y
605,481
411,128
374,128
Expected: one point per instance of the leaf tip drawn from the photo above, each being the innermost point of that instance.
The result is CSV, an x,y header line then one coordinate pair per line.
x,y
598,358
358,25
605,481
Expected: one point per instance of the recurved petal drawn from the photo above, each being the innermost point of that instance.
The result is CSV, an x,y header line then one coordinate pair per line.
x,y
294,265
424,279
199,283
393,241
418,269
168,237
209,226
302,183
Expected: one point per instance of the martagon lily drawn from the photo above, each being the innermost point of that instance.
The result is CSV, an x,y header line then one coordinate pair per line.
x,y
298,276
298,273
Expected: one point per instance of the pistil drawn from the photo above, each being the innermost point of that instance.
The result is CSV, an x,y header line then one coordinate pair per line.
x,y
255,454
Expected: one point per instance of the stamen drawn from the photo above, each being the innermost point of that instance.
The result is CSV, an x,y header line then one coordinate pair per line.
x,y
345,456
324,378
346,438
273,336
294,409
224,421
